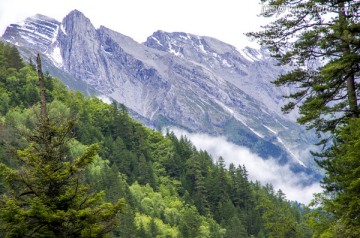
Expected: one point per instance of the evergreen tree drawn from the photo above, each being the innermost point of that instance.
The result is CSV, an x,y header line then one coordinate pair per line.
x,y
196,175
190,222
45,196
217,188
320,40
13,59
51,184
341,197
235,229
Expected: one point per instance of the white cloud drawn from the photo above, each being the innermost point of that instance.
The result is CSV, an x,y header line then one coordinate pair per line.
x,y
105,99
265,171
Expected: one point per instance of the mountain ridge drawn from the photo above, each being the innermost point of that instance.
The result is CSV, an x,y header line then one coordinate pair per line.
x,y
175,79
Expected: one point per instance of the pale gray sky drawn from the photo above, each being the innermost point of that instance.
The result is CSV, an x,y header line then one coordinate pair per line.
x,y
225,20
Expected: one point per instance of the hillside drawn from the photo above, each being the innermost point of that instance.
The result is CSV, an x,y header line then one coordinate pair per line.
x,y
171,189
192,82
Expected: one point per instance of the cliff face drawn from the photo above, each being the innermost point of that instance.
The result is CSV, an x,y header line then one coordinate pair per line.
x,y
174,79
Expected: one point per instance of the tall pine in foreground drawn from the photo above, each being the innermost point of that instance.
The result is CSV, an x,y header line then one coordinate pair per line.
x,y
320,40
46,196
341,198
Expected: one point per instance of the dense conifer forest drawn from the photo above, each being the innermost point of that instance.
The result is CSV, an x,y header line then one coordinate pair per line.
x,y
89,170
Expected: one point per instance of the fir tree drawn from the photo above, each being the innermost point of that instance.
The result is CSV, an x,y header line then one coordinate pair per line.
x,y
45,196
320,40
341,197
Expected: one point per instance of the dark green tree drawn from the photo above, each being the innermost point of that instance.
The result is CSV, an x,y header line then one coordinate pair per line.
x,y
341,197
190,222
196,173
235,228
320,40
154,231
46,196
13,58
217,187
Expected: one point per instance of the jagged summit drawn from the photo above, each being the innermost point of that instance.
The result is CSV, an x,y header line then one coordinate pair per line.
x,y
37,32
76,12
75,21
240,67
175,42
176,79
44,18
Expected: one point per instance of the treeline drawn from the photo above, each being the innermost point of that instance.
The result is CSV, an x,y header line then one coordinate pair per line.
x,y
146,184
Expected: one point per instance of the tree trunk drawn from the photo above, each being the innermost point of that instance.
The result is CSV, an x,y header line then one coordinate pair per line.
x,y
42,89
350,83
350,80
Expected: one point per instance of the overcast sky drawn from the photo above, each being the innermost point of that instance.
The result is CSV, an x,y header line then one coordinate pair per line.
x,y
225,20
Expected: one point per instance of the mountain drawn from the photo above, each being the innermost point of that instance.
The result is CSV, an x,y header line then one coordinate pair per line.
x,y
173,79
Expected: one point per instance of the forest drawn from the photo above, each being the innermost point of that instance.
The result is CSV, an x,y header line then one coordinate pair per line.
x,y
74,166
87,169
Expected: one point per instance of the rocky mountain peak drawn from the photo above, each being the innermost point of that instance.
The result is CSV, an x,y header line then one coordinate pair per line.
x,y
40,17
175,79
188,45
77,23
37,32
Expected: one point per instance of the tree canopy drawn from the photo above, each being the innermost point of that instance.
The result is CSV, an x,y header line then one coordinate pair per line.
x,y
87,169
44,195
320,41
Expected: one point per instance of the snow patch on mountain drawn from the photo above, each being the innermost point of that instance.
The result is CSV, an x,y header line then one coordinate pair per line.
x,y
288,149
172,51
63,29
28,39
271,130
54,38
157,41
201,46
56,57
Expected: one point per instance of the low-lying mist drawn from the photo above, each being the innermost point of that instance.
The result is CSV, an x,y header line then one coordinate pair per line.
x,y
265,171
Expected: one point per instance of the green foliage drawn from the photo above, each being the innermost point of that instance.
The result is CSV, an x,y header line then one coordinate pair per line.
x,y
9,58
320,40
324,54
236,228
84,172
341,197
276,213
45,195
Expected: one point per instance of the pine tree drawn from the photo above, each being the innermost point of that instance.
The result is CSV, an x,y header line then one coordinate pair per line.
x,y
341,197
13,57
235,228
46,195
195,174
190,222
320,40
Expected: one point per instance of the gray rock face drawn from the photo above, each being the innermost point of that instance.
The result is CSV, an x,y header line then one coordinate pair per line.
x,y
248,69
36,32
176,79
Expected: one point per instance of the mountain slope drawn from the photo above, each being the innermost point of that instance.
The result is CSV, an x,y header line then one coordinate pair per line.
x,y
174,79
